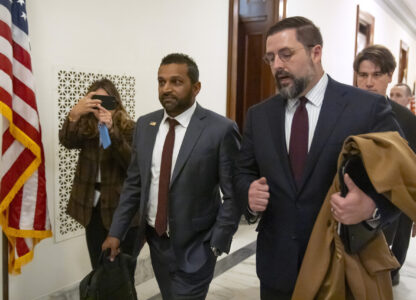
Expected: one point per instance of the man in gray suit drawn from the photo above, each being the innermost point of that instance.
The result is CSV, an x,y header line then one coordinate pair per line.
x,y
182,157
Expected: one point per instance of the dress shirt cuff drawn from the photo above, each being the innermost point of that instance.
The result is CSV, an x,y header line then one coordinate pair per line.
x,y
254,213
251,216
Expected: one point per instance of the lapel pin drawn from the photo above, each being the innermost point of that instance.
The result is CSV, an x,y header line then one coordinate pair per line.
x,y
152,123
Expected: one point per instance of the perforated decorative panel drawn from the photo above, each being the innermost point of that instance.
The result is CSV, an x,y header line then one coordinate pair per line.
x,y
71,86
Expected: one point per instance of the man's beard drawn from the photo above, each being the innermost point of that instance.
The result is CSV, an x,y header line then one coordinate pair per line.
x,y
293,90
177,105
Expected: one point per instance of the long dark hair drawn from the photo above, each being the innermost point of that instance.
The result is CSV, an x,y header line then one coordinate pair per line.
x,y
121,118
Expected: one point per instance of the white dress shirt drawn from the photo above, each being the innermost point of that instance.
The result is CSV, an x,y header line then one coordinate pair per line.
x,y
180,130
315,98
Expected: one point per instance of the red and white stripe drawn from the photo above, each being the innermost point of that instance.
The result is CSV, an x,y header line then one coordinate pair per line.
x,y
23,207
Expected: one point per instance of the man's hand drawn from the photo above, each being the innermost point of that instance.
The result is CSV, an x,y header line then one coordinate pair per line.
x,y
356,207
258,195
114,244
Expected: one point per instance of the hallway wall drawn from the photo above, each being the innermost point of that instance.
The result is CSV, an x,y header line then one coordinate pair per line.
x,y
126,36
132,36
337,21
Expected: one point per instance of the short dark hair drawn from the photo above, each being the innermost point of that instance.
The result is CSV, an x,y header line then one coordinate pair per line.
x,y
378,55
306,32
180,58
407,88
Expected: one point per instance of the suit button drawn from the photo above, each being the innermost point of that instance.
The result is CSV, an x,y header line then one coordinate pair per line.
x,y
293,237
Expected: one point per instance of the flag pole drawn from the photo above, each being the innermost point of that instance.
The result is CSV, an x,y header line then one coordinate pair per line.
x,y
5,267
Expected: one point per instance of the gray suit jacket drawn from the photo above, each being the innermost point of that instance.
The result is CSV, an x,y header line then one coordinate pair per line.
x,y
198,218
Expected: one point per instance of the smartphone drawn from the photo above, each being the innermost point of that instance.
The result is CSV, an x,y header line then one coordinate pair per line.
x,y
108,102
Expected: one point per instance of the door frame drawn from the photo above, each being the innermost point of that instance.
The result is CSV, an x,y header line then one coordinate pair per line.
x,y
233,18
232,58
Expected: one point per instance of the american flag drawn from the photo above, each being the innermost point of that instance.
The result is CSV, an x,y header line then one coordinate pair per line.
x,y
23,207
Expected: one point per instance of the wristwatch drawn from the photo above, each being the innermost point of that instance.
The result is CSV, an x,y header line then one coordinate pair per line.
x,y
374,222
376,214
216,251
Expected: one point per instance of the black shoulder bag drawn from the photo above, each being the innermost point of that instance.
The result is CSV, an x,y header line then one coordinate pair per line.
x,y
110,280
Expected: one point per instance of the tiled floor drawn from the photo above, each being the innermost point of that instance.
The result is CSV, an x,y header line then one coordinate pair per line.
x,y
406,290
240,282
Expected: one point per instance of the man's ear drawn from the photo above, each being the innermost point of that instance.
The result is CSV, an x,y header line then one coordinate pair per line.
x,y
390,75
316,53
196,87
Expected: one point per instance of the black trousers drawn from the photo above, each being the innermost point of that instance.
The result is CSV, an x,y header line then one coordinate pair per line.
x,y
267,293
175,284
401,239
96,233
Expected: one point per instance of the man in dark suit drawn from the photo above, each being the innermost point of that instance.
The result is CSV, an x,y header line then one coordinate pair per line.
x,y
182,157
289,152
374,67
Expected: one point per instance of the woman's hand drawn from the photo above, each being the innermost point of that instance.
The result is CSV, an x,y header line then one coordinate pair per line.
x,y
105,117
84,106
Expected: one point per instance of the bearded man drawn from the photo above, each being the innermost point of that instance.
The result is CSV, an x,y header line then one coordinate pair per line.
x,y
181,161
289,151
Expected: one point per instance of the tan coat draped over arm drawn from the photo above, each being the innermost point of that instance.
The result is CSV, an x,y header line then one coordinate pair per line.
x,y
327,271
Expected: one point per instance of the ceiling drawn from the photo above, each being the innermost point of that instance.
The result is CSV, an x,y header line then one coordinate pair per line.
x,y
404,11
412,5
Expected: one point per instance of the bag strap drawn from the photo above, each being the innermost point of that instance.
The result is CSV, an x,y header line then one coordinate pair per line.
x,y
104,254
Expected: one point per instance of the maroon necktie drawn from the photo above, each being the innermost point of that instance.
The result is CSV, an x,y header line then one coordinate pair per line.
x,y
164,179
298,145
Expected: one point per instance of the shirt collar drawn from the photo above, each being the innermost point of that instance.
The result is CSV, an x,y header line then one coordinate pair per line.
x,y
183,118
315,95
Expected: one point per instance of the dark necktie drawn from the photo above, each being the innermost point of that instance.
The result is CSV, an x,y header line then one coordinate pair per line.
x,y
164,179
298,145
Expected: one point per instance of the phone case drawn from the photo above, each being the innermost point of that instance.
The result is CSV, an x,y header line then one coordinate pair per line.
x,y
108,102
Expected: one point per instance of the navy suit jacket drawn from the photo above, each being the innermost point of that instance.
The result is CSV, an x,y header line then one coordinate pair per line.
x,y
407,122
285,227
198,216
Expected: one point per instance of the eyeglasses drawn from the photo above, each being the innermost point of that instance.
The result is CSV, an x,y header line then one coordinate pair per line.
x,y
285,54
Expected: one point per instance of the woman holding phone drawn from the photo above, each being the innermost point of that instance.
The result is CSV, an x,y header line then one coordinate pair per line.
x,y
101,169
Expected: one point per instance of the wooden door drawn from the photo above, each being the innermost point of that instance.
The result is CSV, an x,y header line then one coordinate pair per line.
x,y
403,61
249,79
364,34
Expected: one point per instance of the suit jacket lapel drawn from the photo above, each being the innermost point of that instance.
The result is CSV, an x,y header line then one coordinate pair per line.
x,y
332,106
276,118
193,132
